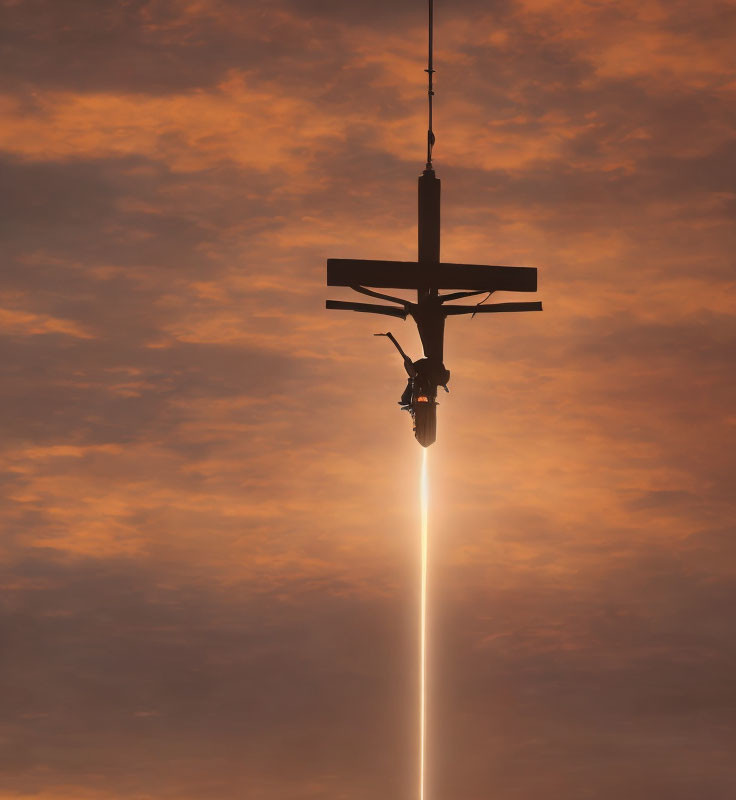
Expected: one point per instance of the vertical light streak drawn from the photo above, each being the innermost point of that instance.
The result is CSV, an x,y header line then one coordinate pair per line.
x,y
424,503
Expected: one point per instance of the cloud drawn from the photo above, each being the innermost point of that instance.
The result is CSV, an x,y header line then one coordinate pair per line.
x,y
209,559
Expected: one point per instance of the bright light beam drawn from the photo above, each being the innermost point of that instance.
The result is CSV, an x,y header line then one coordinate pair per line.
x,y
424,503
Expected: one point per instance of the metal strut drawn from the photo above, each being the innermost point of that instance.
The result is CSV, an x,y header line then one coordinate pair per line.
x,y
430,88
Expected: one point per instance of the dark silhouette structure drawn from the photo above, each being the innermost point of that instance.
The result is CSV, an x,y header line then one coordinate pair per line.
x,y
427,275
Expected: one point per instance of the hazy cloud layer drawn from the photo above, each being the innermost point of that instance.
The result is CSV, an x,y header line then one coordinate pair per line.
x,y
209,520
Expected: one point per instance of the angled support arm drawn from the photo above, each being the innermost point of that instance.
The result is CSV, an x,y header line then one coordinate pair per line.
x,y
367,308
459,295
451,311
381,296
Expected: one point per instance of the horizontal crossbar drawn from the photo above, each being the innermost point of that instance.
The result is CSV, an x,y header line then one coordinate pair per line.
x,y
421,275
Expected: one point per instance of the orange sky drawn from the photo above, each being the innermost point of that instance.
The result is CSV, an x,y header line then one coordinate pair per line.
x,y
209,550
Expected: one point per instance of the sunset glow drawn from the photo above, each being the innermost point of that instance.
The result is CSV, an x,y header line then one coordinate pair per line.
x,y
209,545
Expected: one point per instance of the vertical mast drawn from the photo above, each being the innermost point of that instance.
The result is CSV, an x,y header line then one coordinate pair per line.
x,y
429,185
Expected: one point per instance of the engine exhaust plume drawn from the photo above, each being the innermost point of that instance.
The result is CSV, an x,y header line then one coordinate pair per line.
x,y
424,505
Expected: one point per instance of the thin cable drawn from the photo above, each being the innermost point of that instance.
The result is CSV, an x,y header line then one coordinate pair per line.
x,y
424,504
430,88
487,297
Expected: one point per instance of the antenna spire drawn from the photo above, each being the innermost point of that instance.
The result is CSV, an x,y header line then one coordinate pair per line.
x,y
430,87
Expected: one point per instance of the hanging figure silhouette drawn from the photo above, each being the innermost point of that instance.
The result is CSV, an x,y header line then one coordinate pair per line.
x,y
420,375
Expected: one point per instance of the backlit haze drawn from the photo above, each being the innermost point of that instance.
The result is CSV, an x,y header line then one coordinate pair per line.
x,y
210,532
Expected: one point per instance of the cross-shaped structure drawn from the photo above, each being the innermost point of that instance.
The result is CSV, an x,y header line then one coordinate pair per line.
x,y
427,275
